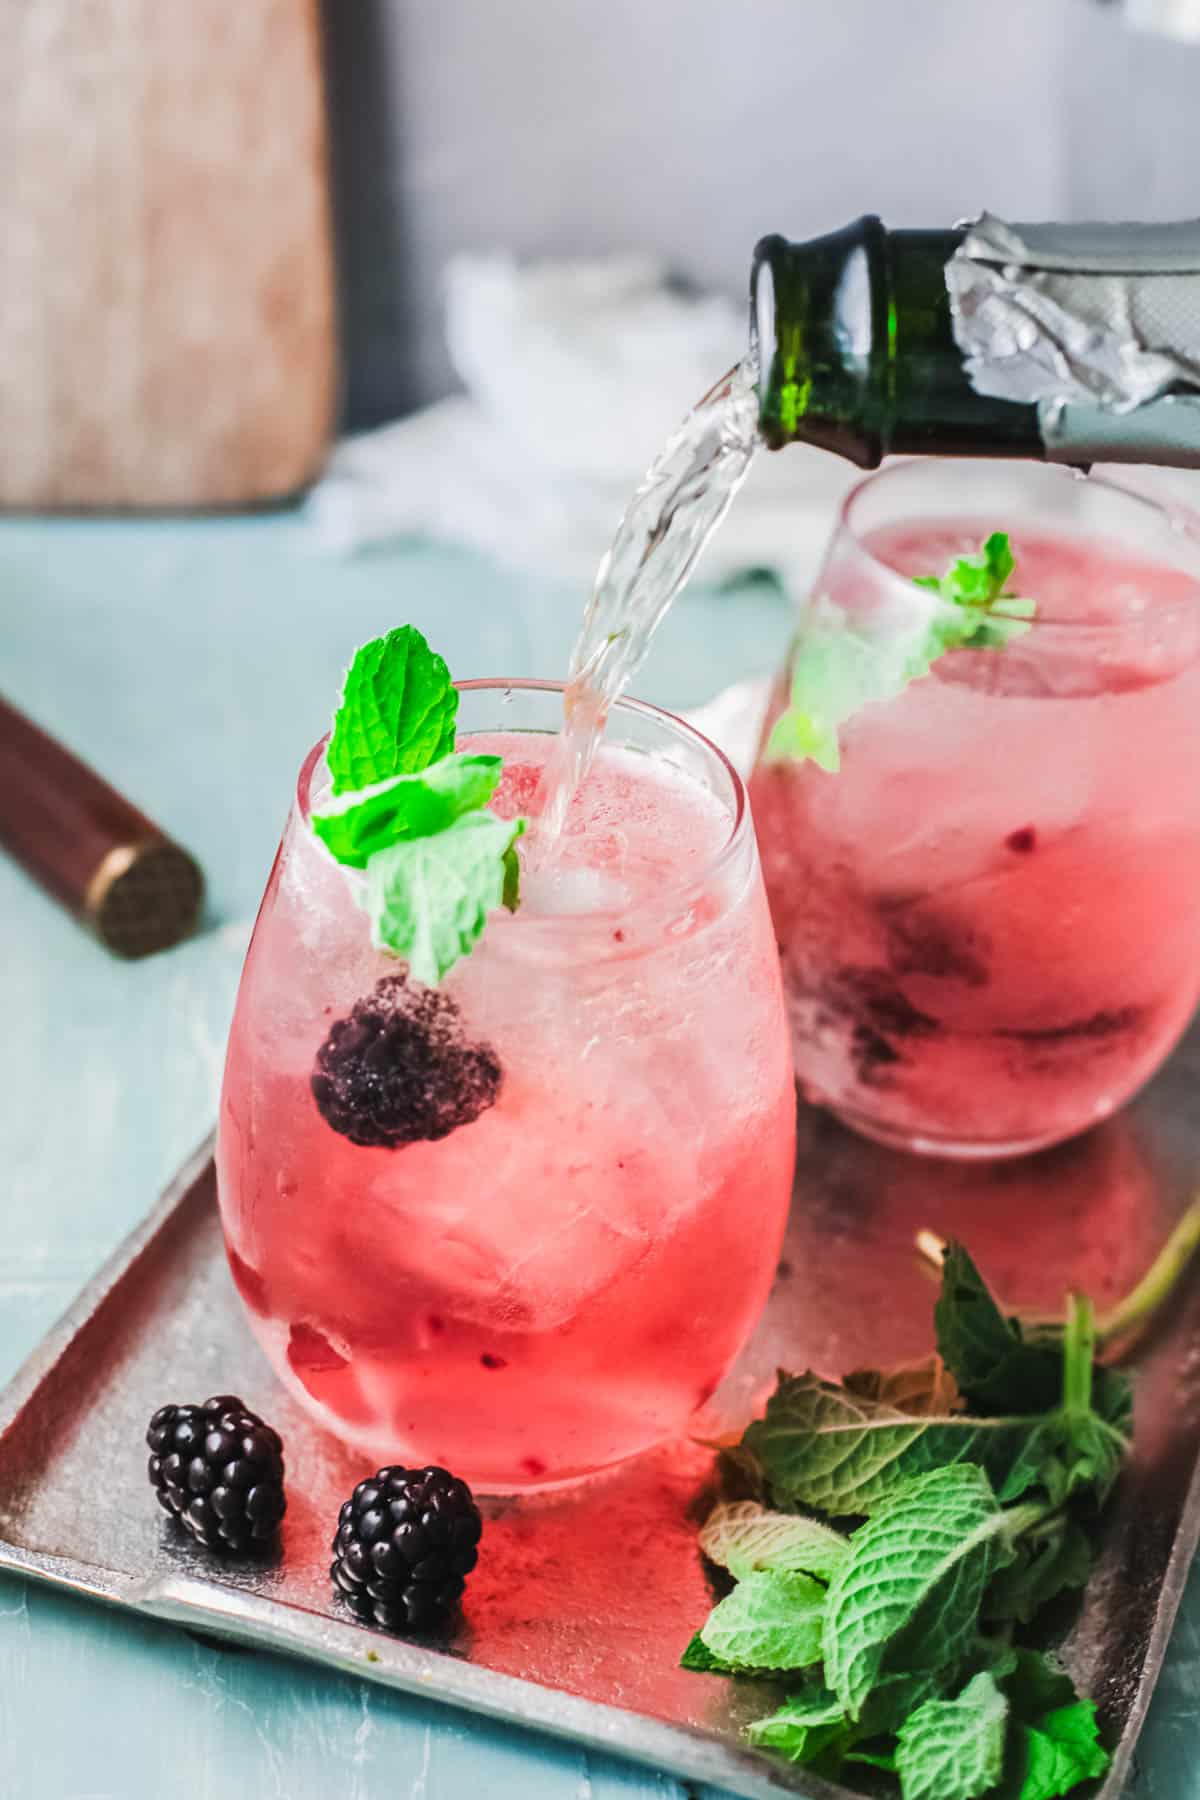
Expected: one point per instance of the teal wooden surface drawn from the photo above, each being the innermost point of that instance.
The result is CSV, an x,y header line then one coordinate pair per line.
x,y
193,664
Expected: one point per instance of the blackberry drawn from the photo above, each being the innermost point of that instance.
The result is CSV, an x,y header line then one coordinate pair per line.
x,y
881,1018
218,1469
406,1541
923,941
401,1069
1095,1028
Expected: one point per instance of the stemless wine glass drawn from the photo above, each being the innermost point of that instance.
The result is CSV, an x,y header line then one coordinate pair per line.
x,y
989,913
561,1263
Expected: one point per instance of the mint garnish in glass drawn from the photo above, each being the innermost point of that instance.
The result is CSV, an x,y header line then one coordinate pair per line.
x,y
837,670
411,812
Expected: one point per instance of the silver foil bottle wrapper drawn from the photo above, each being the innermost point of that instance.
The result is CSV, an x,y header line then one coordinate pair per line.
x,y
1098,326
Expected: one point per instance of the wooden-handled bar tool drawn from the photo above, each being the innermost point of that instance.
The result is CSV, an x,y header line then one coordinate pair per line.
x,y
105,861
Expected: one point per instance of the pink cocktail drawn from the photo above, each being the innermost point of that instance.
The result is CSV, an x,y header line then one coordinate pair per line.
x,y
560,1279
989,914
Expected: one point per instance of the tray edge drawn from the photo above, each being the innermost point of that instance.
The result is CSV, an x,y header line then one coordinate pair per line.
x,y
682,1752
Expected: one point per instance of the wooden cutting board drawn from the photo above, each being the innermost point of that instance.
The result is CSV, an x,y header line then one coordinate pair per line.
x,y
167,332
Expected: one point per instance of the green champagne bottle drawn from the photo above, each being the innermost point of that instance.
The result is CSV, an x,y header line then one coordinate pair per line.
x,y
1074,343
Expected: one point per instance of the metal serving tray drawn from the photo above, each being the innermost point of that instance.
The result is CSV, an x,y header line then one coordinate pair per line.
x,y
582,1603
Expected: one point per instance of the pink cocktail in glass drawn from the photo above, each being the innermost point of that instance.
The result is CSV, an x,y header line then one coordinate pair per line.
x,y
560,1279
989,915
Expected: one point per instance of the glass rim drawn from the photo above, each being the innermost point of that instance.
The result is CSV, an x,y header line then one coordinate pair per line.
x,y
670,893
1171,520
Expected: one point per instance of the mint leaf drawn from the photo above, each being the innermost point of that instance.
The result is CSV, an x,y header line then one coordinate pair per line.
x,y
998,561
700,1658
841,1452
1062,1749
1035,1684
894,1697
744,1536
805,1728
1078,1444
996,1367
397,712
796,735
907,1601
772,1620
428,898
1004,620
978,579
1071,1453
835,671
992,1656
1053,1739
407,806
954,1749
1047,1563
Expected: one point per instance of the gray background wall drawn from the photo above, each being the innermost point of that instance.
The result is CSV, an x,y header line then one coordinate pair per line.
x,y
692,126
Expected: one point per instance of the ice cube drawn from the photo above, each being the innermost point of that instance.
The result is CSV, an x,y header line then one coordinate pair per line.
x,y
573,891
518,1219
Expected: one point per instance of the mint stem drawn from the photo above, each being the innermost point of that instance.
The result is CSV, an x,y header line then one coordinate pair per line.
x,y
1079,1351
1032,1515
1138,1307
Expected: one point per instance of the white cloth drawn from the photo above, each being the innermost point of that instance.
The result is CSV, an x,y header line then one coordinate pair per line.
x,y
733,720
575,373
1171,18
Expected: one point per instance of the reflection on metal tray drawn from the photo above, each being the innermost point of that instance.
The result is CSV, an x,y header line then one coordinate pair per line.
x,y
582,1602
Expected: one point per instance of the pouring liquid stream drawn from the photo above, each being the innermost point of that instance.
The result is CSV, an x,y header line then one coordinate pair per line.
x,y
680,502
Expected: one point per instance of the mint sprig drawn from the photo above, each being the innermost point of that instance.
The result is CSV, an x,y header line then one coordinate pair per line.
x,y
988,616
836,671
410,811
397,712
977,1475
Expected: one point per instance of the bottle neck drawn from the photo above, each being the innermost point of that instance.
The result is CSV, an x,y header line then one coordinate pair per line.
x,y
856,350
